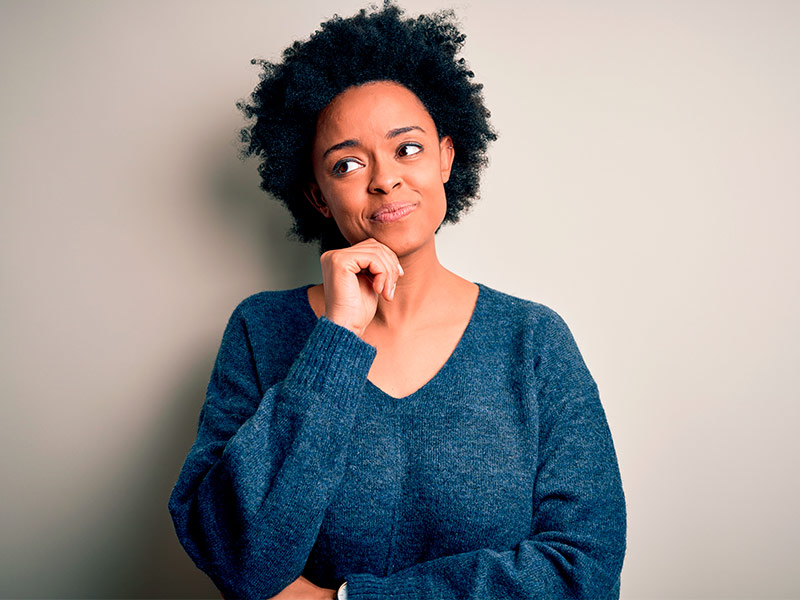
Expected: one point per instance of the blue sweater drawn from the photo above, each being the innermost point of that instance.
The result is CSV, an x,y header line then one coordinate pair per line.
x,y
496,479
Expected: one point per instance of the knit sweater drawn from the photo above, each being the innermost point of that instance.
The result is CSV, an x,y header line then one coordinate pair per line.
x,y
496,479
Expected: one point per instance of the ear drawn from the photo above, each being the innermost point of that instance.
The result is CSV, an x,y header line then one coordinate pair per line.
x,y
314,196
446,155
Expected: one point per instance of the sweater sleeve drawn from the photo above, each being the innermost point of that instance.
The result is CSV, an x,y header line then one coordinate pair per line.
x,y
577,541
251,495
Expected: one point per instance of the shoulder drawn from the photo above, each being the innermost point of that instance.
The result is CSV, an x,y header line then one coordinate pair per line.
x,y
267,330
508,312
279,301
533,333
271,315
277,308
536,338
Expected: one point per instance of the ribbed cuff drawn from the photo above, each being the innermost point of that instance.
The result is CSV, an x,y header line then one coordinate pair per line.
x,y
363,586
334,360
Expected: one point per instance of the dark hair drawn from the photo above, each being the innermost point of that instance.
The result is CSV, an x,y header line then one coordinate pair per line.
x,y
374,45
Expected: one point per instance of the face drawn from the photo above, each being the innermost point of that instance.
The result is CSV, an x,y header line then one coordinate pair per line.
x,y
380,167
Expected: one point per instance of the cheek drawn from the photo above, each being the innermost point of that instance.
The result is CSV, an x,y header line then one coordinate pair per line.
x,y
346,211
434,189
343,205
338,194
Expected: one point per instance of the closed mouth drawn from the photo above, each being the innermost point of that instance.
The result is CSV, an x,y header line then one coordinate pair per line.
x,y
393,212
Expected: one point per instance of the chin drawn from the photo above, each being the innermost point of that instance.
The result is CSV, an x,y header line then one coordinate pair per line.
x,y
401,238
404,245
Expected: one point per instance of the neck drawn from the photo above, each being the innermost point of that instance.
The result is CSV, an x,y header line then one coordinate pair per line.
x,y
424,283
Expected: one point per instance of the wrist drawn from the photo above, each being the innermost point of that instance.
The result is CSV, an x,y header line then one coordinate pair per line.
x,y
359,331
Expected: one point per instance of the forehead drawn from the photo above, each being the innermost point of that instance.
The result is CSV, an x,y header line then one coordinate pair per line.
x,y
372,108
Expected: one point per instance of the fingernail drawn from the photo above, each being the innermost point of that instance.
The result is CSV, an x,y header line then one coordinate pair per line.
x,y
400,267
391,294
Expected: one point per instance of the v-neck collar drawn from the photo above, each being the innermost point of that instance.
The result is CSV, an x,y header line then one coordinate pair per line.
x,y
451,361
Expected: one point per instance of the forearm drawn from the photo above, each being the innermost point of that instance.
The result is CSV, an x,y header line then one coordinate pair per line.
x,y
549,566
248,509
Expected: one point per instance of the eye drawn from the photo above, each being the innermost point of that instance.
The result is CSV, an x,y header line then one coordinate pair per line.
x,y
345,166
409,149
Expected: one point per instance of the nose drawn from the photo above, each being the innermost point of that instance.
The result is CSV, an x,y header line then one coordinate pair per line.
x,y
385,177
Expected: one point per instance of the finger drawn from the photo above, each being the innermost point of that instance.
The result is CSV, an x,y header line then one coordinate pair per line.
x,y
356,260
377,262
390,265
380,262
393,261
366,263
379,283
393,271
379,246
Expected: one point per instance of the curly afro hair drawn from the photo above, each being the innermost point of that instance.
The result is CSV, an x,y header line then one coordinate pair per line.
x,y
374,45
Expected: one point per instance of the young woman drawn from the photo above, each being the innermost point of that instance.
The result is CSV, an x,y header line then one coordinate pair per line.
x,y
397,431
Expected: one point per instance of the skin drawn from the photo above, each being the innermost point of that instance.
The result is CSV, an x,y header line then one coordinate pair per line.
x,y
380,169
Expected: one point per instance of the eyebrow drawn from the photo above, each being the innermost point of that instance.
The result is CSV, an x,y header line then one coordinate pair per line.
x,y
340,145
401,130
354,142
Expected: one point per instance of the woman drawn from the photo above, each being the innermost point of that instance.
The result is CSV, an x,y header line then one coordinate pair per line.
x,y
397,431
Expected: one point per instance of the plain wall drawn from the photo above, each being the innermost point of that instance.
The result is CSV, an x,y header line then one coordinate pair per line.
x,y
645,185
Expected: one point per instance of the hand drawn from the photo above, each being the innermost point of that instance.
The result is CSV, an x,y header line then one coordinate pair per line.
x,y
302,589
354,278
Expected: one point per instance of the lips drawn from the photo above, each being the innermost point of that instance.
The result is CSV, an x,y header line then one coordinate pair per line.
x,y
393,212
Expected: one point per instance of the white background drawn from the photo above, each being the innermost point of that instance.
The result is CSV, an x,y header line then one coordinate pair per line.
x,y
646,185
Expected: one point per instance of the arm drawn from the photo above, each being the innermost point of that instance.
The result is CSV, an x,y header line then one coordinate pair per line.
x,y
577,540
253,491
250,498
